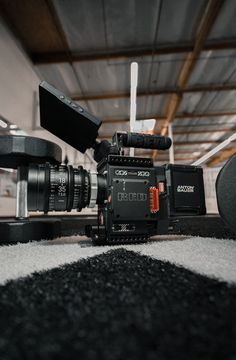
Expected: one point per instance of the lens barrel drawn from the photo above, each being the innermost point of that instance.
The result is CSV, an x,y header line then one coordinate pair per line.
x,y
63,188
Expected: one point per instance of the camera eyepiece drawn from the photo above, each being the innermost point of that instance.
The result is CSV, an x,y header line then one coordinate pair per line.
x,y
63,188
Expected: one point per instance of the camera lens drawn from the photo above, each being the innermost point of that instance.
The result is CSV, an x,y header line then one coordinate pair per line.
x,y
63,188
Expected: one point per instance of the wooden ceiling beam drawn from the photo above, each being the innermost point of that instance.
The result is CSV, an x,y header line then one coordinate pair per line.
x,y
222,156
212,9
163,91
206,131
205,115
210,14
199,142
178,116
60,57
212,125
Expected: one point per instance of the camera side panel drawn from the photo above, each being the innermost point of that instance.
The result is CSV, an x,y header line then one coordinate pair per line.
x,y
133,207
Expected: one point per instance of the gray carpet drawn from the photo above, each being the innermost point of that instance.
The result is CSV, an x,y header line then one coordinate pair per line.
x,y
211,257
160,300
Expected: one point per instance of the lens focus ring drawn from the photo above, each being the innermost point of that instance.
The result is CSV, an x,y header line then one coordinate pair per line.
x,y
59,188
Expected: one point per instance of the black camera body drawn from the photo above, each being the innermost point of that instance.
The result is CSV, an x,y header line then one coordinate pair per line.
x,y
142,200
135,208
135,199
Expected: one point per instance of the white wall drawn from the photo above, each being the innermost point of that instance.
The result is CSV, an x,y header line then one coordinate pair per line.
x,y
19,82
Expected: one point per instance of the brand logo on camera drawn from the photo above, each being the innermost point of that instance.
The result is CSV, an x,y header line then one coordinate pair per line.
x,y
121,172
185,188
132,196
143,173
132,173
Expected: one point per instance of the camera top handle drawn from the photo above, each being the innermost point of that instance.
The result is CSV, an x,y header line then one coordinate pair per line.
x,y
141,141
123,139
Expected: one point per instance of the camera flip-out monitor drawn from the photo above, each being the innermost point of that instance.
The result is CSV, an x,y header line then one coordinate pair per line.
x,y
66,119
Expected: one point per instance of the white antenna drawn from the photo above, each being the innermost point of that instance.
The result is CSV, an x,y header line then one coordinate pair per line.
x,y
133,95
215,150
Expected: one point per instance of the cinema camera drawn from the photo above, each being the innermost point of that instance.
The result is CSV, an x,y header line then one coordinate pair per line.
x,y
135,199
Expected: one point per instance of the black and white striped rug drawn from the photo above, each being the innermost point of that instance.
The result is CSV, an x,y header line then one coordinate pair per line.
x,y
173,298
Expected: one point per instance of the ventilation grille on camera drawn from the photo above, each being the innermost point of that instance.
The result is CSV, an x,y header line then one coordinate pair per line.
x,y
127,239
129,161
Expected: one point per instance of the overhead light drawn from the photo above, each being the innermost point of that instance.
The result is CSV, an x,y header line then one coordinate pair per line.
x,y
3,124
12,126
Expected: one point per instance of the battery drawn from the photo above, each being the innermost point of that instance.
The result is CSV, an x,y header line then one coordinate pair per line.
x,y
185,188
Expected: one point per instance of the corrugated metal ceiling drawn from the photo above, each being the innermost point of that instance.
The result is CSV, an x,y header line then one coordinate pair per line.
x,y
111,24
101,38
